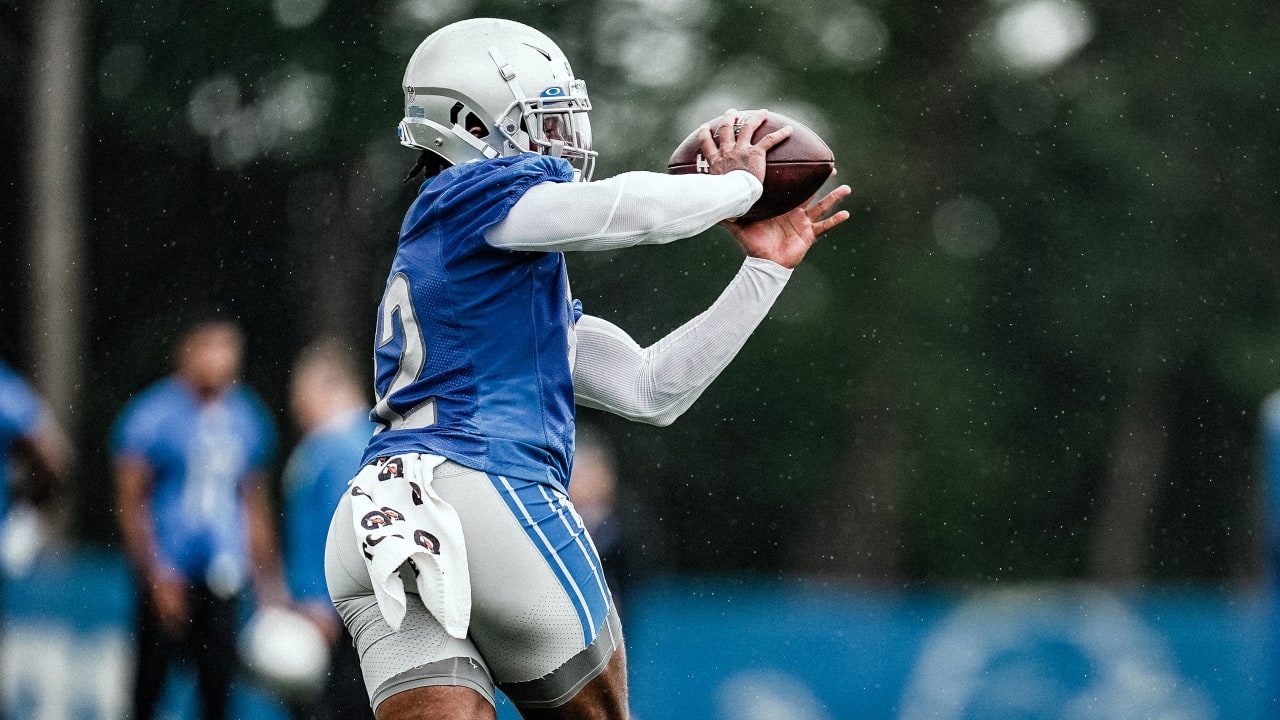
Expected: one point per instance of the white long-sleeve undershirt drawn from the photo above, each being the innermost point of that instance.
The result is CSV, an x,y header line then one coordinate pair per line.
x,y
612,372
658,383
629,209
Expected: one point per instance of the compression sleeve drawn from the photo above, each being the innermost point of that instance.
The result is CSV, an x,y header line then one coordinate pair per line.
x,y
629,209
656,384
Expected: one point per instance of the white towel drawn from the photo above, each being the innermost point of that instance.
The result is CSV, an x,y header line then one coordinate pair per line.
x,y
399,518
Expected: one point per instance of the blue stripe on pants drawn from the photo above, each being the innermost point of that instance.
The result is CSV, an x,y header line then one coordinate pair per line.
x,y
563,543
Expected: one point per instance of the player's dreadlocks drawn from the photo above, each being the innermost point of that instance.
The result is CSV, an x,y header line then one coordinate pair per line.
x,y
429,162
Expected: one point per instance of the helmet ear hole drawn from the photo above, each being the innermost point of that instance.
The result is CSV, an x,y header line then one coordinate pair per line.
x,y
476,126
472,123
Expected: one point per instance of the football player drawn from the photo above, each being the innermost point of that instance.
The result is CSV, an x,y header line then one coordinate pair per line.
x,y
191,455
30,434
481,353
327,398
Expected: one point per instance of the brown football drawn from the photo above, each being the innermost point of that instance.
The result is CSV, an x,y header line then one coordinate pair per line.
x,y
795,169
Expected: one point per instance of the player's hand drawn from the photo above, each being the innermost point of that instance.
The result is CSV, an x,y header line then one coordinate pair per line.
x,y
731,147
325,620
270,590
169,595
785,239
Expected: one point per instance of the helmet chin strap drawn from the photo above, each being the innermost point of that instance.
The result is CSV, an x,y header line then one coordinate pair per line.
x,y
465,136
508,73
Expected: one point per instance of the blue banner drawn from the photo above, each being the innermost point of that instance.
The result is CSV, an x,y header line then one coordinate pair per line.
x,y
748,650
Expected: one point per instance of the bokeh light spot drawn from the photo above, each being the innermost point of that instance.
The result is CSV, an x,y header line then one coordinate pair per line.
x,y
1040,35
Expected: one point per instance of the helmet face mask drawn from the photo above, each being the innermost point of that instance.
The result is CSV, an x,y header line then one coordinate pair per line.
x,y
486,88
557,123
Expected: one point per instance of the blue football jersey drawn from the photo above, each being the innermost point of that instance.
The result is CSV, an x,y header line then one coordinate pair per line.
x,y
315,478
199,455
474,343
20,412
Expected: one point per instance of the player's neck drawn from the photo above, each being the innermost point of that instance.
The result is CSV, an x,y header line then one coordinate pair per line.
x,y
203,392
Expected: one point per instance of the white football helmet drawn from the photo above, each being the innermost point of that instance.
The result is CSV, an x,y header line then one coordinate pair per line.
x,y
486,88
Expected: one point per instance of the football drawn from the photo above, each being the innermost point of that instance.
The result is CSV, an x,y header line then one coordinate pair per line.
x,y
285,652
796,167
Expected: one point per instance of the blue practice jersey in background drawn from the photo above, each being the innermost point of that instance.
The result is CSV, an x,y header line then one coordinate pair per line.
x,y
473,346
20,411
315,478
199,455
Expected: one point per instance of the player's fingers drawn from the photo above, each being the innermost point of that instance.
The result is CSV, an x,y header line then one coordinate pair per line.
x,y
821,207
747,126
728,124
707,142
768,141
825,225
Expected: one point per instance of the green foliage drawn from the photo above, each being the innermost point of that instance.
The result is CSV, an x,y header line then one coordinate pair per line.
x,y
1133,191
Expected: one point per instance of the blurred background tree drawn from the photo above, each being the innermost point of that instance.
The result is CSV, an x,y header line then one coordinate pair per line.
x,y
1035,352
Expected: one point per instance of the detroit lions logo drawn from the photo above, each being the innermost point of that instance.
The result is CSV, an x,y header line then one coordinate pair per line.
x,y
428,541
393,469
375,520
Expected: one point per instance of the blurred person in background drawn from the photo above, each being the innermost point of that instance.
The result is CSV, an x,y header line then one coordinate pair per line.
x,y
327,401
592,484
1269,472
191,455
35,457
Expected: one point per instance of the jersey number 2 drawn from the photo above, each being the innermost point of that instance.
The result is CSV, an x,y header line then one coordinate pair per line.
x,y
397,302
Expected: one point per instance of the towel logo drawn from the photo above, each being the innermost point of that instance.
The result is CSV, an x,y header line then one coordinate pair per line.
x,y
375,519
428,541
393,469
